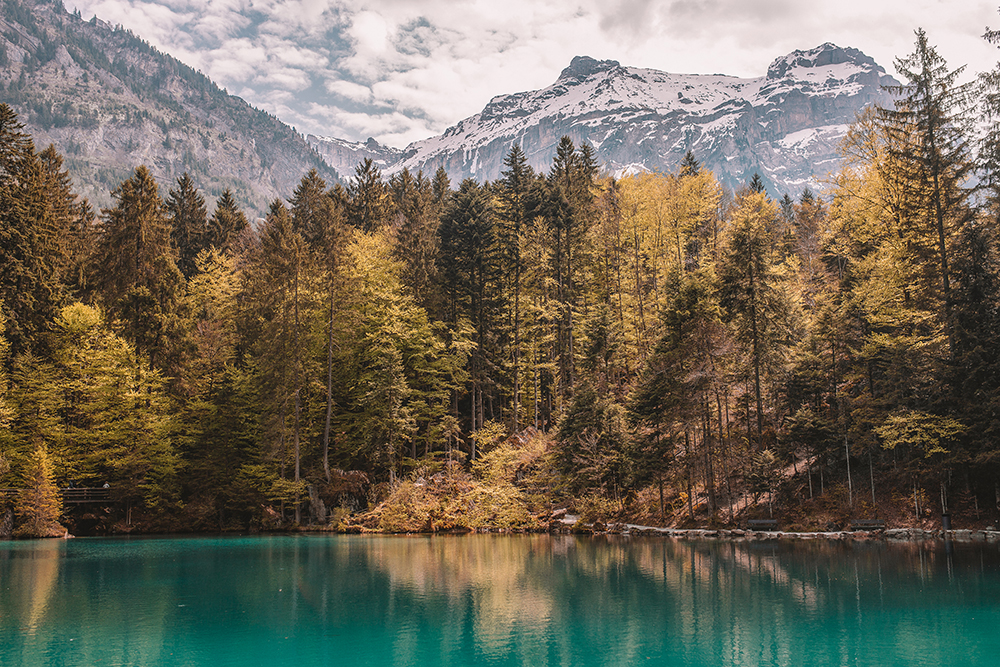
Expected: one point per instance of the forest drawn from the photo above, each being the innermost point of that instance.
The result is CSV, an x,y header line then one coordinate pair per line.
x,y
412,354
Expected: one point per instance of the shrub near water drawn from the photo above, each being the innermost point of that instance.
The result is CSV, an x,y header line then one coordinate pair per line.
x,y
487,499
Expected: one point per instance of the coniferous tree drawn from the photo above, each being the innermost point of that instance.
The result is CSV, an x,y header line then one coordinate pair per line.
x,y
281,285
988,162
568,210
36,208
415,229
749,292
441,187
689,165
188,224
927,138
133,269
227,224
470,271
369,205
318,216
514,184
39,505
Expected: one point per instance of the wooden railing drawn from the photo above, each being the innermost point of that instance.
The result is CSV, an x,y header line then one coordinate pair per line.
x,y
73,496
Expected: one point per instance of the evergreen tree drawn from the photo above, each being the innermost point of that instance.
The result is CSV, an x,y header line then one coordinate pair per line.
x,y
228,223
133,268
281,285
416,238
189,232
312,209
369,206
36,208
514,184
749,291
689,165
441,187
470,271
568,210
988,162
927,138
318,217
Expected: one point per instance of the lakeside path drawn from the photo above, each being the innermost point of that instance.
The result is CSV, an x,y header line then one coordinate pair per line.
x,y
897,534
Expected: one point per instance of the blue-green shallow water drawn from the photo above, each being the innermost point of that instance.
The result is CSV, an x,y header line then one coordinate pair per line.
x,y
520,600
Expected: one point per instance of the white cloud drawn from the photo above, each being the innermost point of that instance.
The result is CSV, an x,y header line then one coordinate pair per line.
x,y
402,70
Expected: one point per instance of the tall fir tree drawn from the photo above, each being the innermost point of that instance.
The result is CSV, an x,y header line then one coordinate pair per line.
x,y
228,223
927,133
369,205
189,232
133,269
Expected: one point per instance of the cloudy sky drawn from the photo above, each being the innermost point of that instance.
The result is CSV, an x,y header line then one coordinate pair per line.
x,y
403,70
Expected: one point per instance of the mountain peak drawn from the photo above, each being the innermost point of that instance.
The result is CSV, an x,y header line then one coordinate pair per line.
x,y
822,56
583,66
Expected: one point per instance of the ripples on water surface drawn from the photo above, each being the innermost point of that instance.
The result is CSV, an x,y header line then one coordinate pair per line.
x,y
479,599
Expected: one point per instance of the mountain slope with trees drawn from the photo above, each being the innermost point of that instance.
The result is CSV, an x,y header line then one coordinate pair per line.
x,y
108,100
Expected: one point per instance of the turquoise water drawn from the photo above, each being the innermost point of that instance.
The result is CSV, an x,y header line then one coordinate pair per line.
x,y
479,599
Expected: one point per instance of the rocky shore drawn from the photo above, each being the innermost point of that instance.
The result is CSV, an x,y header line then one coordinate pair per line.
x,y
570,524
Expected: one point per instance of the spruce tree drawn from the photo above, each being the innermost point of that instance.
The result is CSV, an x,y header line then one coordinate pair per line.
x,y
36,213
318,217
281,279
133,269
689,165
416,239
369,206
749,292
228,223
514,184
927,134
188,224
470,273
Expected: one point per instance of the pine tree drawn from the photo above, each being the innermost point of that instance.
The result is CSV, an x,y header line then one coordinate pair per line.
x,y
133,269
749,291
36,210
514,184
689,165
369,206
228,223
188,224
927,137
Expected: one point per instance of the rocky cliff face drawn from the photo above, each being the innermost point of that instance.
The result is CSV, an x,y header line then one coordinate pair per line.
x,y
786,125
110,102
344,156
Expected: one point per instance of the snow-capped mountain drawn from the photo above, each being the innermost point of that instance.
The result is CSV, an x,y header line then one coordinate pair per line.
x,y
344,155
786,125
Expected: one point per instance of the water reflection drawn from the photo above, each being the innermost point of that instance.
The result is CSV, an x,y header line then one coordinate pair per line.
x,y
496,600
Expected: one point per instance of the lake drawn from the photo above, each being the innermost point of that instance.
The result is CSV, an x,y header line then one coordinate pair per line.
x,y
495,600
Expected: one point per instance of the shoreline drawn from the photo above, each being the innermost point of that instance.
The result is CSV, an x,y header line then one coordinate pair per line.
x,y
889,534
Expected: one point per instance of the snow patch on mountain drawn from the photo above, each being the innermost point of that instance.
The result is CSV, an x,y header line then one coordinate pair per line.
x,y
785,125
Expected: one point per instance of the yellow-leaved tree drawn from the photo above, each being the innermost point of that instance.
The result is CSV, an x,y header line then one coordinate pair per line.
x,y
40,505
